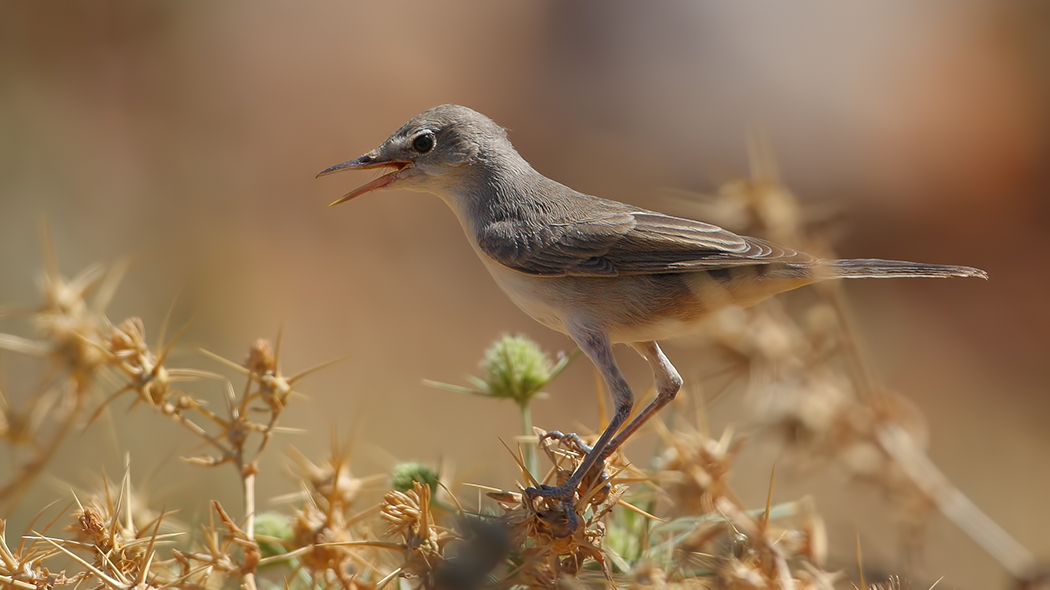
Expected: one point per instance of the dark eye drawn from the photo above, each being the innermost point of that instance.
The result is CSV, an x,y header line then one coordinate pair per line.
x,y
423,142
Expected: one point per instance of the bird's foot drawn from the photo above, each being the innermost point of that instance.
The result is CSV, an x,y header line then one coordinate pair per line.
x,y
576,482
559,509
565,493
557,505
570,439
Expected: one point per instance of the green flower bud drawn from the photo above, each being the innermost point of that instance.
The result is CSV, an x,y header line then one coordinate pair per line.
x,y
276,525
405,473
516,368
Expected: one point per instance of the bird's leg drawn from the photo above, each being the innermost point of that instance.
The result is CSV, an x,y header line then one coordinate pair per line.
x,y
668,382
597,347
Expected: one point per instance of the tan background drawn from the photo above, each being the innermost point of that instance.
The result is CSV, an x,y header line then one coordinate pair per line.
x,y
187,134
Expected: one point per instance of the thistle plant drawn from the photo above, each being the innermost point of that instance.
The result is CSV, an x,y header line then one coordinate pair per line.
x,y
405,475
515,368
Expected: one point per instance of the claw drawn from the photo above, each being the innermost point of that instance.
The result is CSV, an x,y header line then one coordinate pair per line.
x,y
559,503
561,500
563,493
572,520
570,439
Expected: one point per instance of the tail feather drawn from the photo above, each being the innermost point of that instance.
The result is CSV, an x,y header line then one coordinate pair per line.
x,y
873,268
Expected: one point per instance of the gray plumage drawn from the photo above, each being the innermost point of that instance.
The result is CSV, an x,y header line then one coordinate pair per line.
x,y
600,271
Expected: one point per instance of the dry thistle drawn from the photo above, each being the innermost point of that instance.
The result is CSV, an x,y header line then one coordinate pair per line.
x,y
228,435
318,542
23,568
552,545
323,530
122,534
331,485
71,323
228,550
423,541
127,352
693,469
738,549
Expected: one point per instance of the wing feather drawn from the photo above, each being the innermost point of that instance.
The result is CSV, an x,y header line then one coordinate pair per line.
x,y
609,239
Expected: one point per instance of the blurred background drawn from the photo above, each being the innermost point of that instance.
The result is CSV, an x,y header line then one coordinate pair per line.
x,y
186,136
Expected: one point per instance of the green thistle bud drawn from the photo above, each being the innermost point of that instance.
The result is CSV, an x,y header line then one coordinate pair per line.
x,y
277,526
405,473
516,368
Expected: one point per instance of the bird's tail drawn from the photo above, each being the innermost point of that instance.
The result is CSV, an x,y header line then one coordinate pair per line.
x,y
873,268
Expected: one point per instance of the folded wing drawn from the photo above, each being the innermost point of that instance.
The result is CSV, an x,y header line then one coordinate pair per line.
x,y
610,239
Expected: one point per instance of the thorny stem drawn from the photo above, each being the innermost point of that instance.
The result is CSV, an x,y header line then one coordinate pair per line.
x,y
248,485
247,475
197,430
13,493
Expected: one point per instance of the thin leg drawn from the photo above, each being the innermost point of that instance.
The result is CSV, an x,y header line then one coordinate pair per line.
x,y
596,346
668,382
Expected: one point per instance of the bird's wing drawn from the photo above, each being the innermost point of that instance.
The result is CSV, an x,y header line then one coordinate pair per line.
x,y
610,241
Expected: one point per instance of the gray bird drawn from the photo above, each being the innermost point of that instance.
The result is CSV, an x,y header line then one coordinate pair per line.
x,y
600,271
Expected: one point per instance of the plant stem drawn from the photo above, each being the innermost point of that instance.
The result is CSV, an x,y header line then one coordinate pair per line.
x,y
530,447
248,485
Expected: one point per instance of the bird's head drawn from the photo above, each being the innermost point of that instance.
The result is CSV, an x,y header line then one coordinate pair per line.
x,y
433,152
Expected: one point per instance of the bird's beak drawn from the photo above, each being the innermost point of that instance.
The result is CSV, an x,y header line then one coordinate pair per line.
x,y
365,162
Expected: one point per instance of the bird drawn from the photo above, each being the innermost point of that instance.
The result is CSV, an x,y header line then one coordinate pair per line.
x,y
600,271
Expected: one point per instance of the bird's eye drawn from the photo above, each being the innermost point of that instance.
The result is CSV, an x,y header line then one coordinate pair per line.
x,y
423,143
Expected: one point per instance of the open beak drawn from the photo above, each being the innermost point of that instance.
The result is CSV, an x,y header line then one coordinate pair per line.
x,y
367,162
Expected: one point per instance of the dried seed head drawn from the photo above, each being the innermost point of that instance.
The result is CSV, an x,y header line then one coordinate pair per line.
x,y
91,527
129,336
260,358
694,470
408,512
72,329
424,542
331,484
315,529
